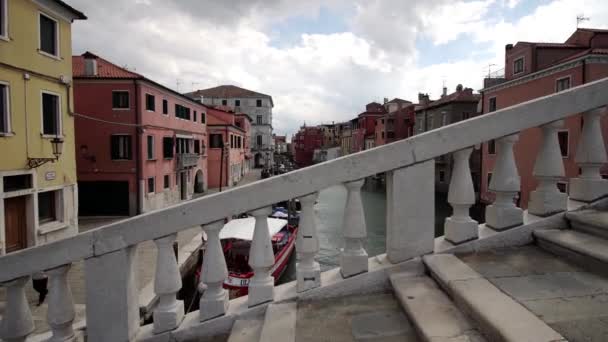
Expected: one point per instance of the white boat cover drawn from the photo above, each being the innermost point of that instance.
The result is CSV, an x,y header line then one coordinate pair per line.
x,y
243,228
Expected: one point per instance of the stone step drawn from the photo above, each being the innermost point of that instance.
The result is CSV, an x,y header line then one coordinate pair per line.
x,y
498,316
589,251
590,221
280,323
434,315
246,330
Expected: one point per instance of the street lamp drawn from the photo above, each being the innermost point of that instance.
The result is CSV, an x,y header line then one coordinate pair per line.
x,y
56,145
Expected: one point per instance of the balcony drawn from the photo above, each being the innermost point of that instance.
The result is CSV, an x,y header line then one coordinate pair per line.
x,y
185,160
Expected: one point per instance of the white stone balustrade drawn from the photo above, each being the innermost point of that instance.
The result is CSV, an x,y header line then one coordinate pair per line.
x,y
167,282
503,213
214,301
17,322
61,312
261,260
308,271
460,227
590,156
548,169
353,259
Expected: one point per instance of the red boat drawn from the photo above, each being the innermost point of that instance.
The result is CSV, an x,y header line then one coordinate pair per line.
x,y
236,239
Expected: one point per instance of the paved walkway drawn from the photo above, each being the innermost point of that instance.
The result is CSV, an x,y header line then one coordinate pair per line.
x,y
568,298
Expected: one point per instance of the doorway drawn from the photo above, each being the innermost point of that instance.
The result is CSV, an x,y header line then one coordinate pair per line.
x,y
199,185
183,188
15,223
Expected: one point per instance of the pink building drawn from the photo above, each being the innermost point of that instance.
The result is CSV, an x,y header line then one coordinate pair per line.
x,y
397,124
228,141
534,70
364,128
140,145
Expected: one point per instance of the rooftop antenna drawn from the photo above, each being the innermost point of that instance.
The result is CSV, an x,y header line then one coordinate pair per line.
x,y
580,18
490,69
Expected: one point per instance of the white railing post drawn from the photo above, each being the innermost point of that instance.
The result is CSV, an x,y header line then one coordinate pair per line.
x,y
353,259
167,282
460,227
214,301
112,296
410,211
308,271
17,322
61,313
261,259
590,156
505,183
548,169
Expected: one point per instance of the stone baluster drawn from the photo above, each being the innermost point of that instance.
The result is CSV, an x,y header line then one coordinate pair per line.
x,y
17,322
308,272
460,227
167,282
505,183
214,301
548,169
354,257
61,313
261,260
590,156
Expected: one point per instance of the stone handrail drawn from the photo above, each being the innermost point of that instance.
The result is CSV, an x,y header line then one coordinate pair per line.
x,y
400,154
109,251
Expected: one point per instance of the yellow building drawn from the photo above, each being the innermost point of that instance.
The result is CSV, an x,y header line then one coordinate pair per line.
x,y
38,193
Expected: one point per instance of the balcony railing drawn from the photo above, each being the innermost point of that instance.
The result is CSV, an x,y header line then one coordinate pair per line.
x,y
185,160
109,252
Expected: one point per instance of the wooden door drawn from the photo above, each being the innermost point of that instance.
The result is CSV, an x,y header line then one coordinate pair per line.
x,y
15,223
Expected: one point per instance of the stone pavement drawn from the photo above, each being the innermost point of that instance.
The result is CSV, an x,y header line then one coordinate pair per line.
x,y
568,298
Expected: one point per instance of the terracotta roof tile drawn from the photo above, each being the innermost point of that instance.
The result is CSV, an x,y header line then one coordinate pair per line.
x,y
105,69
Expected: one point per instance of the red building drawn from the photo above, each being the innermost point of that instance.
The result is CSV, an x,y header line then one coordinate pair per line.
x,y
397,124
534,70
364,128
228,141
140,145
305,142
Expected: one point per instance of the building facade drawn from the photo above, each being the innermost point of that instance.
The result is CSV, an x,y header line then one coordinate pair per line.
x,y
140,146
364,129
228,135
280,143
397,123
533,70
259,108
306,141
38,188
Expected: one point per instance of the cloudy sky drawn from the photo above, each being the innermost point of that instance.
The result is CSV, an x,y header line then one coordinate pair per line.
x,y
322,61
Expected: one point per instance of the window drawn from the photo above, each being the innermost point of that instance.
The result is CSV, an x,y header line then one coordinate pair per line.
x,y
562,187
390,135
51,120
224,102
3,19
492,104
518,66
563,138
237,103
215,141
258,103
165,107
430,122
441,176
5,117
47,206
259,119
150,103
121,147
150,144
17,182
492,146
489,179
120,99
151,185
444,119
202,117
166,182
168,147
562,84
197,147
382,135
182,112
49,35
259,140
194,116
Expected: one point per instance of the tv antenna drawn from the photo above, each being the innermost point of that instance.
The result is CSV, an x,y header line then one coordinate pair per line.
x,y
580,18
490,69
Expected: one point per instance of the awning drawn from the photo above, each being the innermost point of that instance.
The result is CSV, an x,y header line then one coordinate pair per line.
x,y
243,228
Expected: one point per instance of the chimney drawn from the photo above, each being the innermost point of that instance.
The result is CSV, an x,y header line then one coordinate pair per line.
x,y
445,92
385,100
90,64
508,46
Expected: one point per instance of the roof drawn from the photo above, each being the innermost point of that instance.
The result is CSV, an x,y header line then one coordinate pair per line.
x,y
242,229
227,91
466,95
551,45
77,14
398,100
